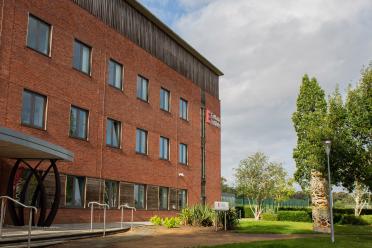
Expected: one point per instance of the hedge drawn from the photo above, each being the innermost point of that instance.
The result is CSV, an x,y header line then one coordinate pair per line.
x,y
298,216
335,210
269,216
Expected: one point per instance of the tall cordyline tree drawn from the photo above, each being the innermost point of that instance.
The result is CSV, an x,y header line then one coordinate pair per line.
x,y
310,123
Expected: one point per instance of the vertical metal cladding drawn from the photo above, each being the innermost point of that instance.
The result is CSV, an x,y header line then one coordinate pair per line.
x,y
120,15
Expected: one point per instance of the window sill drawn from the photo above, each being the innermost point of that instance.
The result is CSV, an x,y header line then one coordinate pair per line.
x,y
183,164
144,101
165,159
113,147
167,112
34,127
185,120
78,138
142,154
41,53
89,75
115,88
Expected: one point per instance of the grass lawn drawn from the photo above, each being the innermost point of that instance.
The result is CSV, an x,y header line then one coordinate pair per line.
x,y
288,227
362,241
347,236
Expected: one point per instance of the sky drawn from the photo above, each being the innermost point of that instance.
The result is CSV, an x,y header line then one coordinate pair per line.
x,y
264,47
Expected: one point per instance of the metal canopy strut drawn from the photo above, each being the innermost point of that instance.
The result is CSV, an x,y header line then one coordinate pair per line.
x,y
39,193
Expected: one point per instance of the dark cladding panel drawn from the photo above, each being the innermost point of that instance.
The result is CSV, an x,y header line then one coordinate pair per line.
x,y
94,188
155,38
127,194
152,197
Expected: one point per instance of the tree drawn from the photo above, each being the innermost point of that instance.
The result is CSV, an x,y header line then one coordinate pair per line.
x,y
311,128
361,197
359,121
256,179
284,188
225,188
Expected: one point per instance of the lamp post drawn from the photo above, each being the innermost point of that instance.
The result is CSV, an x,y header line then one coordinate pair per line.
x,y
328,151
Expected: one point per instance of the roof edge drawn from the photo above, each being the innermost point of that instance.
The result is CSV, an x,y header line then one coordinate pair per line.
x,y
151,17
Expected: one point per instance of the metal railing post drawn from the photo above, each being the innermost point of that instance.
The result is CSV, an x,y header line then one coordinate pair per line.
x,y
2,216
104,205
122,213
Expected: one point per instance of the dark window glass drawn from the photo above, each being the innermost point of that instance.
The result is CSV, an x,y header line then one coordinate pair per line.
x,y
139,196
115,72
113,129
111,193
141,141
183,154
183,109
33,109
182,198
164,148
163,198
78,123
38,35
75,191
164,99
81,60
142,88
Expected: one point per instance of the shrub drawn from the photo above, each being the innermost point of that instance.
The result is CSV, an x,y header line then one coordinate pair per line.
x,y
186,216
156,220
248,212
298,216
269,216
351,220
232,218
367,219
172,222
202,215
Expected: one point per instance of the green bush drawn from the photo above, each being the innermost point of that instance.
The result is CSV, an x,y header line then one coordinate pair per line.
x,y
269,216
298,216
232,219
248,212
171,222
186,216
367,219
198,215
156,220
351,220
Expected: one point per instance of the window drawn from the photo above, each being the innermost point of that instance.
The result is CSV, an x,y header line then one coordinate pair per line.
x,y
38,35
111,193
142,88
183,154
183,109
75,191
115,72
78,123
113,133
164,99
163,198
33,109
164,148
139,196
82,57
182,198
141,141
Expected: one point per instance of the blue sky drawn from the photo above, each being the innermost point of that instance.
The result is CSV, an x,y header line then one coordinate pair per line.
x,y
264,47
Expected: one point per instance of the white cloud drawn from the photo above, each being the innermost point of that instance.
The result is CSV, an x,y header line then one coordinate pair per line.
x,y
264,48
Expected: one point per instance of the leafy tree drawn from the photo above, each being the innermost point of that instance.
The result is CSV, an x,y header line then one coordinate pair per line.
x,y
359,121
283,189
225,188
310,122
256,179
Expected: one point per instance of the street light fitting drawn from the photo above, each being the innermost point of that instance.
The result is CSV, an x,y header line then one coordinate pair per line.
x,y
327,144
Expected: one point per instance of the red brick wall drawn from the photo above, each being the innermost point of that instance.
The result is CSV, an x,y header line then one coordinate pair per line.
x,y
54,77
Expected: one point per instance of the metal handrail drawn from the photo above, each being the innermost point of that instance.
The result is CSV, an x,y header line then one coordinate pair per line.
x,y
3,211
104,205
122,214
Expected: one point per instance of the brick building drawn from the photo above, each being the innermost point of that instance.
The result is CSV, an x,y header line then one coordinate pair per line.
x,y
107,80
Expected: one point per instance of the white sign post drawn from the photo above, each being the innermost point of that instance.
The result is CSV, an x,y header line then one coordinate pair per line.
x,y
221,206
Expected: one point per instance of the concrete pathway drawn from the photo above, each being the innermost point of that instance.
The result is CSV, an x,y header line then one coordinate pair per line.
x,y
160,237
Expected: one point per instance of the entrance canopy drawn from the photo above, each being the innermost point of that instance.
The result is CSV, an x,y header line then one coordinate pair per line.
x,y
17,145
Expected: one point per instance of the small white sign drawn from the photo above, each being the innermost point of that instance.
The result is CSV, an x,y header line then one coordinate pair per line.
x,y
221,206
